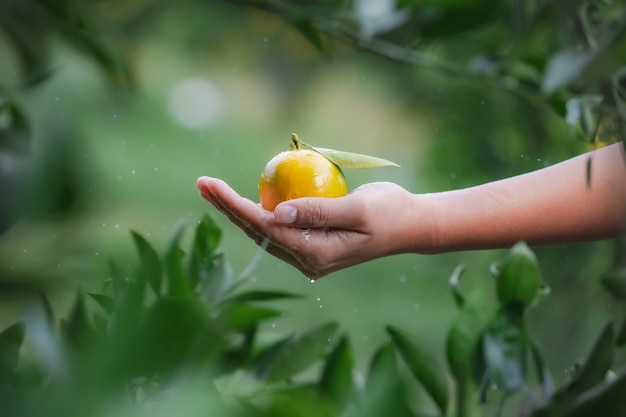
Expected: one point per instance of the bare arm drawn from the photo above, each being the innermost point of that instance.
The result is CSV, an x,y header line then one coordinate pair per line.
x,y
558,204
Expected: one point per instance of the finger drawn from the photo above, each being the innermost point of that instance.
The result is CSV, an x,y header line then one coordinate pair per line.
x,y
229,201
340,213
256,222
225,198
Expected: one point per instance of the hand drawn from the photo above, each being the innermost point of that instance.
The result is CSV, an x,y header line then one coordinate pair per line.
x,y
322,235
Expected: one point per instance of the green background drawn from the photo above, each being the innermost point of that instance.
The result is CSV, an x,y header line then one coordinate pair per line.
x,y
128,165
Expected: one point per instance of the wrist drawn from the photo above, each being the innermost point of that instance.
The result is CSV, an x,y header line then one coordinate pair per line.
x,y
423,234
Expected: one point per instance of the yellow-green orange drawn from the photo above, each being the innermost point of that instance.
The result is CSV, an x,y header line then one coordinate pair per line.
x,y
300,173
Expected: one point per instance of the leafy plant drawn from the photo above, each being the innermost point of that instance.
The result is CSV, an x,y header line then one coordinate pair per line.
x,y
179,334
564,54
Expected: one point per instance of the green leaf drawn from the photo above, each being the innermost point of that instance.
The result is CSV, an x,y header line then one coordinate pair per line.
x,y
423,366
336,381
580,116
464,336
209,271
621,335
31,47
384,392
605,399
50,353
459,298
591,373
564,67
615,282
518,280
302,400
128,296
105,301
151,267
345,159
216,279
353,160
449,17
173,327
294,354
46,307
542,371
262,295
505,347
205,244
178,281
15,131
599,361
242,316
77,330
462,349
118,280
11,340
307,28
263,363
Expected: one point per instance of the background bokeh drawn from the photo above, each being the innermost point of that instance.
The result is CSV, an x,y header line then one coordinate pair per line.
x,y
220,88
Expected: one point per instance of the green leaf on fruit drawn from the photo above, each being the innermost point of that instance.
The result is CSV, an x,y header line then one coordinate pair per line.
x,y
350,160
353,160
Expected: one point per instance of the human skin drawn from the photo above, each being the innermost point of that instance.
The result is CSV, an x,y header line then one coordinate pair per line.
x,y
580,199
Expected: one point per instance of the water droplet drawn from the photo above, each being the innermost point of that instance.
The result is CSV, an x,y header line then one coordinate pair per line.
x,y
273,325
403,278
117,226
156,169
133,172
318,299
311,281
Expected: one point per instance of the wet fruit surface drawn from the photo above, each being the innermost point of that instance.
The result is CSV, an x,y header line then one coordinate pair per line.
x,y
300,173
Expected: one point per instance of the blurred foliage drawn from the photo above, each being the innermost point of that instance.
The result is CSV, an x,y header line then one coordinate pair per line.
x,y
180,334
563,53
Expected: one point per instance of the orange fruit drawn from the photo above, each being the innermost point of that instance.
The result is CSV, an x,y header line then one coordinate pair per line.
x,y
299,173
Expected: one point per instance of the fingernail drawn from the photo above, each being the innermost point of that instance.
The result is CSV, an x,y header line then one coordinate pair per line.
x,y
202,181
285,214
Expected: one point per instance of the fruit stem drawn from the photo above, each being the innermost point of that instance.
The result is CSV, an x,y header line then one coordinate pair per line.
x,y
296,141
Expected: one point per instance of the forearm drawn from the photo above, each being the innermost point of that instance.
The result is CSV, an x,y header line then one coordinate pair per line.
x,y
557,204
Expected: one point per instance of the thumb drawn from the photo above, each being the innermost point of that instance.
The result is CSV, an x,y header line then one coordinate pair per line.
x,y
318,212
